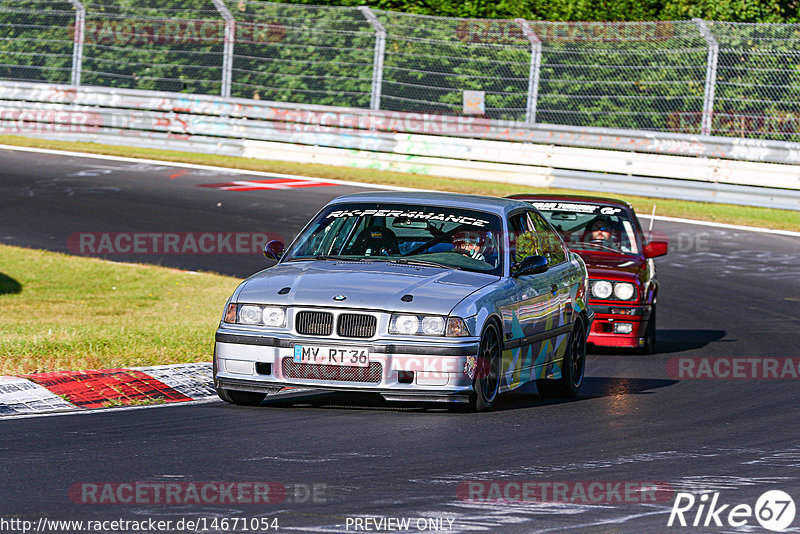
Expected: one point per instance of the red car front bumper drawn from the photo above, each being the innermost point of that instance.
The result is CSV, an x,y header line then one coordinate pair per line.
x,y
609,328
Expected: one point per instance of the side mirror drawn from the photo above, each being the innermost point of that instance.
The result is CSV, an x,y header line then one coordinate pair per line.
x,y
274,250
530,265
655,248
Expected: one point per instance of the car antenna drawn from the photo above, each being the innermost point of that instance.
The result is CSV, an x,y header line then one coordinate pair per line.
x,y
652,220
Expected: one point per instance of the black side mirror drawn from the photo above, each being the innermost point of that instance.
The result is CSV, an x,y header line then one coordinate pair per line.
x,y
274,250
530,265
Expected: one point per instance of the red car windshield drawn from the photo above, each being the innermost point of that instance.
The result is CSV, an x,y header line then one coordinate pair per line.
x,y
589,226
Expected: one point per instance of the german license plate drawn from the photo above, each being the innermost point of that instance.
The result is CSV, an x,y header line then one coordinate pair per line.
x,y
322,355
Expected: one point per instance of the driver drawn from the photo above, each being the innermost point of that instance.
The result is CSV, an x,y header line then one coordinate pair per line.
x,y
601,231
470,243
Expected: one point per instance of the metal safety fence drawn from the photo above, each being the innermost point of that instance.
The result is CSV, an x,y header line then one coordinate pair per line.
x,y
692,77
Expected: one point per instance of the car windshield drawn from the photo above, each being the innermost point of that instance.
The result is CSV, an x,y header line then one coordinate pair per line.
x,y
589,226
447,237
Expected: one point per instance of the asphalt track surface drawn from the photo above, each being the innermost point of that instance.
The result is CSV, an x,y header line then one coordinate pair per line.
x,y
725,293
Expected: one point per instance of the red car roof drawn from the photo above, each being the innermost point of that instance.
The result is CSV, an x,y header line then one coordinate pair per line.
x,y
572,198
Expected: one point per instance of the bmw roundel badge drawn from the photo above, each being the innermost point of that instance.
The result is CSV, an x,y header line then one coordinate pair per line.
x,y
339,298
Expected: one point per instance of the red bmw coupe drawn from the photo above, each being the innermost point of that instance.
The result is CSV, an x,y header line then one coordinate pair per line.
x,y
619,257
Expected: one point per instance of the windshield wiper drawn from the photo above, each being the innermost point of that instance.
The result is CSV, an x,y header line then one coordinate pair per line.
x,y
424,263
324,257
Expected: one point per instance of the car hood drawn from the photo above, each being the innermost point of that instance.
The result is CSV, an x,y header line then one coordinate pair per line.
x,y
369,285
613,266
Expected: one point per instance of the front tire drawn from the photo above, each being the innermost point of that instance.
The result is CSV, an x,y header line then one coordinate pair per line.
x,y
241,398
572,368
488,370
649,346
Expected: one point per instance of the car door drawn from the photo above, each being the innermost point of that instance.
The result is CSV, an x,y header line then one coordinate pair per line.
x,y
563,274
565,277
532,312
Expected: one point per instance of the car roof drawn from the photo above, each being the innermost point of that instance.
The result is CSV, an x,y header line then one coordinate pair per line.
x,y
497,205
573,198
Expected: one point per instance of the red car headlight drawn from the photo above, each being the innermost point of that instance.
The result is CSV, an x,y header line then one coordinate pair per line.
x,y
610,290
624,290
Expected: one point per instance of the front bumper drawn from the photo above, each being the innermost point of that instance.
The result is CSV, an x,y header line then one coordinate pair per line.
x,y
398,369
605,330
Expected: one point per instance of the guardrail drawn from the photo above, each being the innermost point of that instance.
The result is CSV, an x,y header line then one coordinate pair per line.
x,y
693,167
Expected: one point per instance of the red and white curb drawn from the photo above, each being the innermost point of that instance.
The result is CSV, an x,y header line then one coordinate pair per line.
x,y
103,388
79,391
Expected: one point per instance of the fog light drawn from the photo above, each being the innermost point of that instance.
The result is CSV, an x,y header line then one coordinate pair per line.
x,y
623,328
405,377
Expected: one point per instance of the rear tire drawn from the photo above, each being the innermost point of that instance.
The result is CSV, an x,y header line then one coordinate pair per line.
x,y
572,368
241,398
488,370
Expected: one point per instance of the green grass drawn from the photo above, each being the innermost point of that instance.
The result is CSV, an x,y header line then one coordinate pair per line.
x,y
70,313
113,403
727,213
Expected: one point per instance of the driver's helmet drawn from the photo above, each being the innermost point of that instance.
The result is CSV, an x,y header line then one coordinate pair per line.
x,y
472,242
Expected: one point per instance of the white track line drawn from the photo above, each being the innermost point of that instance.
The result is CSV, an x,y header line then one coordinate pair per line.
x,y
721,225
94,411
355,184
203,167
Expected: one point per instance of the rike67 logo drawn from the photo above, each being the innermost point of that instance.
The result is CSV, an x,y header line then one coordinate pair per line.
x,y
774,510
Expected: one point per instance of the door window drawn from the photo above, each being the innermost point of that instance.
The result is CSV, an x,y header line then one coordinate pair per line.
x,y
552,246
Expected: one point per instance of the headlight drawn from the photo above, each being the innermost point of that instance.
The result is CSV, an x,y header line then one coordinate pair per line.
x,y
250,314
602,289
274,317
607,289
270,316
624,290
404,324
433,326
427,325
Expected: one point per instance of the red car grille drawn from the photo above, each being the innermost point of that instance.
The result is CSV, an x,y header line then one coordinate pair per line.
x,y
371,374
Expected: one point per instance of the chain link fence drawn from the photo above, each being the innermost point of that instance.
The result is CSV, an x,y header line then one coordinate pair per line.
x,y
170,45
674,76
36,42
304,54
